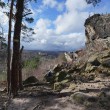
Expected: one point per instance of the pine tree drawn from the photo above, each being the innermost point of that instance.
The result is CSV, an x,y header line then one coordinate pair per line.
x,y
94,2
16,77
16,47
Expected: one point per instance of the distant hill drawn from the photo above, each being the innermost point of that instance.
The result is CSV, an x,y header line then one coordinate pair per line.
x,y
33,53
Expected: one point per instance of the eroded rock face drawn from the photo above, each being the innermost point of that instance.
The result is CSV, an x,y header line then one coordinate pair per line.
x,y
97,30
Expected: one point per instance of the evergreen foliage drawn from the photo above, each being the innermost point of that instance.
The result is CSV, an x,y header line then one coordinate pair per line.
x,y
94,2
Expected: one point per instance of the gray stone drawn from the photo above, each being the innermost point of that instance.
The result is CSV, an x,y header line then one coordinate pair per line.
x,y
106,63
80,97
31,79
98,32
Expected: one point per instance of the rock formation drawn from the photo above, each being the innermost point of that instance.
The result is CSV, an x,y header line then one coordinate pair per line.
x,y
97,31
90,63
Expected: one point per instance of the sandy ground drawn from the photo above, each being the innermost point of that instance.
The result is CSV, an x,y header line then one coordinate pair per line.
x,y
42,101
44,98
39,98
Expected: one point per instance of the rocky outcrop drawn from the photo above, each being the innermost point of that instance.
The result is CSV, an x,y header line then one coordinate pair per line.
x,y
97,65
97,30
85,65
68,57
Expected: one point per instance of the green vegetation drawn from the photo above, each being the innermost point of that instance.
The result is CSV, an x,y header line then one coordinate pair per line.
x,y
32,63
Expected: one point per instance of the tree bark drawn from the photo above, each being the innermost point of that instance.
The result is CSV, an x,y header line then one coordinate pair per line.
x,y
20,69
9,49
16,48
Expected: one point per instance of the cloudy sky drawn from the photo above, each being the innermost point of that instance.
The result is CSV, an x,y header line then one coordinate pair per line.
x,y
59,24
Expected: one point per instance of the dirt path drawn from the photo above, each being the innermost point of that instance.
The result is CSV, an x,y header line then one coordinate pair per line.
x,y
35,99
44,98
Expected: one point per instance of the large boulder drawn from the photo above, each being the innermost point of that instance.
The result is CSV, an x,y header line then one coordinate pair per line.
x,y
29,80
51,75
79,97
97,30
98,60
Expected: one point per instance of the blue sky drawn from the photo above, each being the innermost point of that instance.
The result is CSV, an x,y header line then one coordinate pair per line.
x,y
59,24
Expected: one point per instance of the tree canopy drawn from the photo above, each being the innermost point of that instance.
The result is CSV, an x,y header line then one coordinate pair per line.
x,y
93,2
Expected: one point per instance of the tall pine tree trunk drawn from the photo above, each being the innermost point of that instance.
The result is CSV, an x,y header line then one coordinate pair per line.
x,y
16,48
20,69
9,49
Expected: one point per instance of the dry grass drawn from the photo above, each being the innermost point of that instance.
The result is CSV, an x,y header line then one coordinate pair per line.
x,y
44,66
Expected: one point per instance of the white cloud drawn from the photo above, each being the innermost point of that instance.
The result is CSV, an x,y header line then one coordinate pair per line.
x,y
43,24
68,31
54,4
48,39
73,19
59,42
3,21
3,18
75,5
43,41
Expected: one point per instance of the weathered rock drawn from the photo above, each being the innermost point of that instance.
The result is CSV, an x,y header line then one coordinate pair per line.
x,y
104,54
92,63
93,60
60,76
59,86
29,80
71,71
90,68
91,77
106,63
66,90
50,76
98,32
65,81
57,68
72,86
68,58
80,97
100,26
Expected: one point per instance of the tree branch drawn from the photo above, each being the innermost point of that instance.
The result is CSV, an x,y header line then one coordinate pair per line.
x,y
27,14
